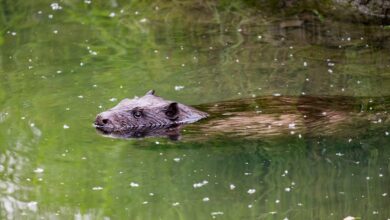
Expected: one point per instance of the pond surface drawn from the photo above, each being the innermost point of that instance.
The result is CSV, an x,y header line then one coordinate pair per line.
x,y
62,63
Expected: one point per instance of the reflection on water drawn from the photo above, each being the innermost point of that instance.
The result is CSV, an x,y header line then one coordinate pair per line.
x,y
299,125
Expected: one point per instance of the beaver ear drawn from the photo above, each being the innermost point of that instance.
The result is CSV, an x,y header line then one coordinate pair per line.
x,y
151,92
172,110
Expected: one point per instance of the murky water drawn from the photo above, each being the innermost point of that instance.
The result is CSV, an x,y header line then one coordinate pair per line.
x,y
256,157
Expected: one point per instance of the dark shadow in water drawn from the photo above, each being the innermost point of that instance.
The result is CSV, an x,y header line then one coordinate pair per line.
x,y
171,132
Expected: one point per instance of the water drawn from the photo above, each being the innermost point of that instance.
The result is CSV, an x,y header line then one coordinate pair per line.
x,y
61,64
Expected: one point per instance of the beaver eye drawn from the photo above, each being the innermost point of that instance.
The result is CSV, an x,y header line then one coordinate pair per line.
x,y
137,114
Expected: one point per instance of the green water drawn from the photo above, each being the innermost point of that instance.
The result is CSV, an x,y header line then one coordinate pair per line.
x,y
62,64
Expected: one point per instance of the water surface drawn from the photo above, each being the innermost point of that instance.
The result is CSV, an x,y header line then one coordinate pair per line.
x,y
61,64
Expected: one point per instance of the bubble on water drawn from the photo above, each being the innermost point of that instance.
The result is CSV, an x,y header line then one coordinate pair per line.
x,y
87,1
259,37
157,142
300,204
339,154
39,170
112,14
384,194
349,218
206,199
200,184
287,189
55,6
291,125
97,188
136,12
151,194
251,191
32,125
175,204
285,218
368,178
80,96
66,126
143,20
387,133
277,201
145,202
375,212
81,64
250,206
232,186
276,94
113,99
305,64
13,33
133,184
178,88
55,32
273,213
50,16
177,159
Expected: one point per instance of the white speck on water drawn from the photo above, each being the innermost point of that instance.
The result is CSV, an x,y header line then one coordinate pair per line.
x,y
80,96
250,206
368,178
384,194
200,184
50,16
273,213
330,71
232,186
175,204
13,33
331,64
157,143
112,14
299,136
178,88
387,133
216,213
375,212
206,199
277,201
237,60
143,20
136,12
305,64
133,184
239,29
151,194
307,79
87,1
350,140
145,202
259,37
291,125
183,64
32,125
277,94
113,99
100,106
251,191
55,32
287,189
349,218
94,86
177,159
300,204
66,126
97,188
39,170
39,12
55,6
285,218
380,175
339,154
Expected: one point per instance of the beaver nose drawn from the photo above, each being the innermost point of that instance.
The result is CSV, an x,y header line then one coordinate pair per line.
x,y
101,120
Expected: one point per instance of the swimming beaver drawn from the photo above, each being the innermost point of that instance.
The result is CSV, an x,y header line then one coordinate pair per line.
x,y
147,113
